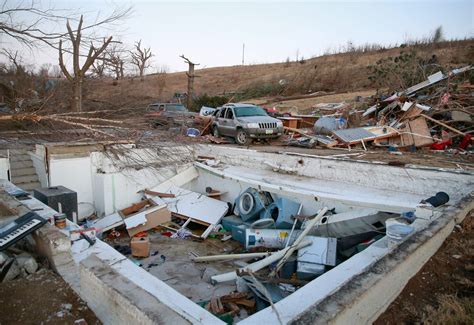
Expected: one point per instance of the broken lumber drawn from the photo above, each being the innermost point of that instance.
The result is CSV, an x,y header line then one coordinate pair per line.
x,y
229,257
254,267
298,240
160,194
443,124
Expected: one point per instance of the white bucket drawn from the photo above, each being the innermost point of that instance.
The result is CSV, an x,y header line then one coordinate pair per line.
x,y
397,232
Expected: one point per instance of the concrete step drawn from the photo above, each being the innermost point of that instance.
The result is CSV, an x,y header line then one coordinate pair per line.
x,y
23,171
18,180
22,157
29,186
21,164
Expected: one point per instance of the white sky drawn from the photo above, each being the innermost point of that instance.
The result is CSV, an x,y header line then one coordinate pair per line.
x,y
212,33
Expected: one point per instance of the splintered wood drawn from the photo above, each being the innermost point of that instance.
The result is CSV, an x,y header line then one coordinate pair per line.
x,y
229,304
416,133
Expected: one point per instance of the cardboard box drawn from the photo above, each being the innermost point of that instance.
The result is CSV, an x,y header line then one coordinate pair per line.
x,y
147,219
140,246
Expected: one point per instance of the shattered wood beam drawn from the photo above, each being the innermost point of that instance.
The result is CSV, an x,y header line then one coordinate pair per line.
x,y
443,125
95,119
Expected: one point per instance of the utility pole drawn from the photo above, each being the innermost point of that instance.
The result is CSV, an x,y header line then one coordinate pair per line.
x,y
243,53
191,76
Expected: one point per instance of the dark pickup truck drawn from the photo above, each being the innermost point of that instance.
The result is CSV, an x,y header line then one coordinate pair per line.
x,y
168,113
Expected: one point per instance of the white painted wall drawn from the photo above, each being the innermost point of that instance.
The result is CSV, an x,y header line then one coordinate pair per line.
x,y
4,167
75,174
115,191
103,185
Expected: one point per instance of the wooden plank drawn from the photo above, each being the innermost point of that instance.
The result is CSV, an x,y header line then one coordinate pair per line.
x,y
160,194
443,124
419,126
406,137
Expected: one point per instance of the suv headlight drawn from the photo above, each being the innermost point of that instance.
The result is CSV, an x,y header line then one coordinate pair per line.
x,y
252,125
279,124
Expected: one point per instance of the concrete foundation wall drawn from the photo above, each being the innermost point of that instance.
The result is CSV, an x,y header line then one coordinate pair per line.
x,y
40,168
115,191
56,247
75,174
374,278
104,184
116,300
426,181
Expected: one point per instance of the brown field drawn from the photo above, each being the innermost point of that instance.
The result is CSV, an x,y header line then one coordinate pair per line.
x,y
345,72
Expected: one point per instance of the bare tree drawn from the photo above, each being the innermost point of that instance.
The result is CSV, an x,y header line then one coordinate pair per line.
x,y
31,25
44,70
99,66
77,76
191,76
115,58
15,60
140,57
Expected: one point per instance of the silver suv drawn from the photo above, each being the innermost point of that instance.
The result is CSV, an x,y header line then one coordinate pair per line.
x,y
245,122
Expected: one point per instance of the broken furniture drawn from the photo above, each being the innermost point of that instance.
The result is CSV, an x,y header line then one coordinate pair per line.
x,y
193,207
290,122
144,215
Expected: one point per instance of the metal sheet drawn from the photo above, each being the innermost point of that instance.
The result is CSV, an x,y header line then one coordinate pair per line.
x,y
355,134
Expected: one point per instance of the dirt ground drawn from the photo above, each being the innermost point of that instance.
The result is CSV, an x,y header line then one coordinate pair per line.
x,y
42,298
193,279
442,292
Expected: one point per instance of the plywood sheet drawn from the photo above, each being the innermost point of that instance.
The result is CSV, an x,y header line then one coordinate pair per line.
x,y
195,205
419,126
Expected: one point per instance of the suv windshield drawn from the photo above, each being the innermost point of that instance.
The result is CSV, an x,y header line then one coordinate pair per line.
x,y
176,108
249,111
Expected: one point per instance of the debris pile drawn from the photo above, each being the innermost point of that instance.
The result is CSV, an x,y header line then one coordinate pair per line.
x,y
435,114
16,263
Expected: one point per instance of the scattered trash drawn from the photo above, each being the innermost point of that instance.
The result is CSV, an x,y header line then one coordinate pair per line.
x,y
439,199
192,132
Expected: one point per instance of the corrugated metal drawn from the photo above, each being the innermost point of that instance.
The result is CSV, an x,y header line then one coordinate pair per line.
x,y
350,135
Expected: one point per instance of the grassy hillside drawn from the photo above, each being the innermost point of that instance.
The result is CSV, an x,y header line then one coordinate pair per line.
x,y
345,72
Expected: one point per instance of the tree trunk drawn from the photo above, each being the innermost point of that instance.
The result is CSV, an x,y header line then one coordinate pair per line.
x,y
189,99
77,103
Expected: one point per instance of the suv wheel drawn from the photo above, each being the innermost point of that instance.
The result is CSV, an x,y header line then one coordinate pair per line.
x,y
242,137
215,131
